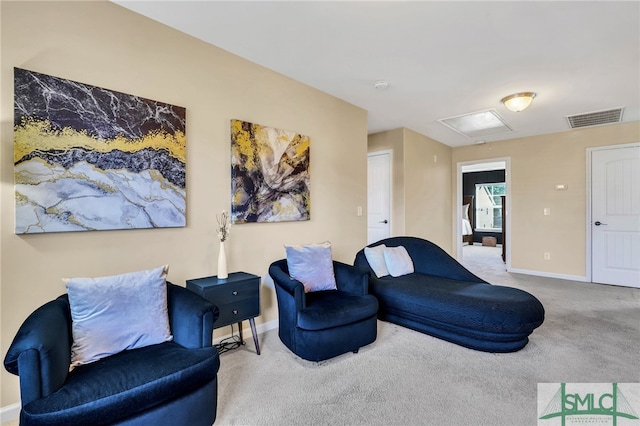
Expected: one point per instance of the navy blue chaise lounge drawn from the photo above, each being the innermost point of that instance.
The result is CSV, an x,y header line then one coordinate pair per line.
x,y
445,300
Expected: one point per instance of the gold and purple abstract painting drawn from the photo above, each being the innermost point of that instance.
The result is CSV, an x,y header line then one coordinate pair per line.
x,y
88,158
269,174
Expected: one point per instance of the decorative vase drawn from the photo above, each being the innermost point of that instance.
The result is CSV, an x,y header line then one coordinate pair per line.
x,y
222,263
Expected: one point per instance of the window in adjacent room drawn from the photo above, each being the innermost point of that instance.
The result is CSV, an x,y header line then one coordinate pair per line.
x,y
488,213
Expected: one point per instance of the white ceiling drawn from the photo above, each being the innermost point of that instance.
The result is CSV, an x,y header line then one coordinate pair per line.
x,y
441,59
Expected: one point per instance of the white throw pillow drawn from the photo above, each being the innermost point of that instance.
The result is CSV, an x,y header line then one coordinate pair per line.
x,y
398,261
117,313
312,265
375,257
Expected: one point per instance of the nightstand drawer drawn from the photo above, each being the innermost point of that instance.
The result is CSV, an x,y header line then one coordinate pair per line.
x,y
237,311
239,285
231,292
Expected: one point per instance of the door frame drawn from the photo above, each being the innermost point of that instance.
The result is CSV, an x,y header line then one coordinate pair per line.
x,y
505,215
388,152
588,227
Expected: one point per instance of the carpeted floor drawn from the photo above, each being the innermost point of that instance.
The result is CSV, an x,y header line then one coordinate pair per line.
x,y
591,334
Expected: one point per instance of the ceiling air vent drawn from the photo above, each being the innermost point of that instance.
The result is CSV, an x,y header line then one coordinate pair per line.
x,y
595,118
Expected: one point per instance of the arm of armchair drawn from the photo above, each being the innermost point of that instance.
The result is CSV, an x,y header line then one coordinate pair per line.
x,y
191,317
350,278
280,274
41,351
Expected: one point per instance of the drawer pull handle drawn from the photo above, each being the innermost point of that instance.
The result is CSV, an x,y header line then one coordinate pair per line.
x,y
235,293
235,312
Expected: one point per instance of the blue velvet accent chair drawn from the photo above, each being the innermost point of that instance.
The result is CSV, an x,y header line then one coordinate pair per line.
x,y
172,383
324,324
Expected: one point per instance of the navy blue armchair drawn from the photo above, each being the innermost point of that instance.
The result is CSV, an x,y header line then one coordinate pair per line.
x,y
172,383
324,324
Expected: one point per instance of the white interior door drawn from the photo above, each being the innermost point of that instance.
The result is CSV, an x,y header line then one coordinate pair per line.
x,y
615,216
378,196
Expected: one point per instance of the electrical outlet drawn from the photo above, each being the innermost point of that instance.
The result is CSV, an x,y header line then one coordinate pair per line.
x,y
359,212
546,211
547,256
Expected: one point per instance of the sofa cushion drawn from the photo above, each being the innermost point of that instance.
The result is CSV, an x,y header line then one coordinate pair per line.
x,y
398,261
375,257
130,382
327,309
312,265
116,313
476,306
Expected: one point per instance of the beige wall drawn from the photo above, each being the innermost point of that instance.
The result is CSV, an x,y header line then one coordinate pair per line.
x,y
421,182
427,177
538,164
102,44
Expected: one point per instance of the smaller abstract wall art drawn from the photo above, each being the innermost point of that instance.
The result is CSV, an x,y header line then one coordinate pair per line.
x,y
269,174
88,158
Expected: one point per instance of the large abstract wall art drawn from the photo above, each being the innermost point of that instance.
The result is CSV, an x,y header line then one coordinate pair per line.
x,y
87,158
269,174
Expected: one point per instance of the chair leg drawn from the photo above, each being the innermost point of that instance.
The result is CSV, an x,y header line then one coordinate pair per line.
x,y
356,351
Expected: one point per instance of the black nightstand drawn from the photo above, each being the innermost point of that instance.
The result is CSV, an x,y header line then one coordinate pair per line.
x,y
237,298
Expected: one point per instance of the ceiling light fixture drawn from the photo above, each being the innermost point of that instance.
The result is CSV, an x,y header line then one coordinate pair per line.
x,y
518,101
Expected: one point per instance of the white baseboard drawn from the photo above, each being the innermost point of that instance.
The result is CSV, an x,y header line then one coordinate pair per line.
x,y
10,413
549,275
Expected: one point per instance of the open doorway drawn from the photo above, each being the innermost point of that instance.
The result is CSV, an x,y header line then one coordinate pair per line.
x,y
482,211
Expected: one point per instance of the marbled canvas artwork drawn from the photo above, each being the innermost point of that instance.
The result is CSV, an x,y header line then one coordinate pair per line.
x,y
269,174
88,158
